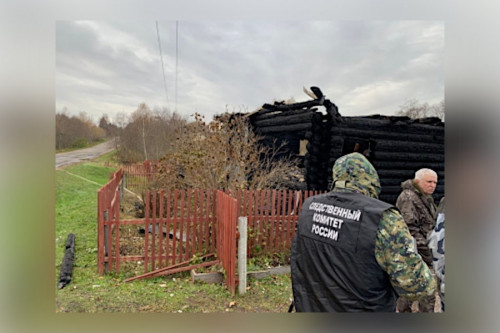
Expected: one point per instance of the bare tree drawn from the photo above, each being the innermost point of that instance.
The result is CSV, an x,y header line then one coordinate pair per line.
x,y
76,131
414,109
148,134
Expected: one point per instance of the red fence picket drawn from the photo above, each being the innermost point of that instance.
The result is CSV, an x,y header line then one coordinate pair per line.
x,y
227,217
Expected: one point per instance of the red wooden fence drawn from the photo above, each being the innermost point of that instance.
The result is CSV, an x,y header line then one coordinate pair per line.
x,y
137,177
183,229
108,221
272,215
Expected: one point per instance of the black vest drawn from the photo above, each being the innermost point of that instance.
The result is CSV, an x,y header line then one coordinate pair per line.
x,y
333,264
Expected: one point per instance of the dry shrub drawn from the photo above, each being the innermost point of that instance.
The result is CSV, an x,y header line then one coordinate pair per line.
x,y
223,154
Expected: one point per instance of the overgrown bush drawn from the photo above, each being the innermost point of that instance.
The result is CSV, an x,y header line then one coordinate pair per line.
x,y
223,154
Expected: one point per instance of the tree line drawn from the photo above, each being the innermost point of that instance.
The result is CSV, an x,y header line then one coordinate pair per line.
x,y
76,131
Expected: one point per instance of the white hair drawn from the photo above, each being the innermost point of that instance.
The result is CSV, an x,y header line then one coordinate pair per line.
x,y
420,174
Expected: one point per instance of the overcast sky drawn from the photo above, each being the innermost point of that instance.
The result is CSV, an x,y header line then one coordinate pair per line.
x,y
364,67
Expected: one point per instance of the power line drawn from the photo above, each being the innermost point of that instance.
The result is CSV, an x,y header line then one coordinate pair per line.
x,y
176,59
162,65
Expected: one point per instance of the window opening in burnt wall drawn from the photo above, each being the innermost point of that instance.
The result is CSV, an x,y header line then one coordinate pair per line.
x,y
362,146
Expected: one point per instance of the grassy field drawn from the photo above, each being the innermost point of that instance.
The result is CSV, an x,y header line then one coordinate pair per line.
x,y
76,212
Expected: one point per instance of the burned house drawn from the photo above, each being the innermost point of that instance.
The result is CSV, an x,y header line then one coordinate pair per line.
x,y
318,134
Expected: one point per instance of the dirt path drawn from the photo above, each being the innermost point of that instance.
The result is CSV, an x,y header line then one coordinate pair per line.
x,y
77,156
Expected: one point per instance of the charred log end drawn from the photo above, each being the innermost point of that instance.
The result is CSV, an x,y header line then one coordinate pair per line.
x,y
66,272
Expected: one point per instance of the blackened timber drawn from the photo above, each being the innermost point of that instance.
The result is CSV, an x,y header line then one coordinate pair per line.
x,y
283,128
294,106
285,119
412,157
406,165
398,189
416,147
258,116
403,174
372,134
392,126
66,272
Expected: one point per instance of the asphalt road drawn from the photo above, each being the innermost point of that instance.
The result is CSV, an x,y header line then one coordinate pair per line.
x,y
77,156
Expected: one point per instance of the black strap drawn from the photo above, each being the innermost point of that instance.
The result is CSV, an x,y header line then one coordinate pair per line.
x,y
291,307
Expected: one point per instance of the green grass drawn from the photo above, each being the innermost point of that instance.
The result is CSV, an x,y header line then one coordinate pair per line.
x,y
76,212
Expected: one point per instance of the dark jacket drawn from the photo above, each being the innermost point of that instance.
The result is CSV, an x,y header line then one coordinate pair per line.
x,y
333,263
419,212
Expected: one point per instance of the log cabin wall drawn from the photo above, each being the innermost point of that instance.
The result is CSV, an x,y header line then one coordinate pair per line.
x,y
396,146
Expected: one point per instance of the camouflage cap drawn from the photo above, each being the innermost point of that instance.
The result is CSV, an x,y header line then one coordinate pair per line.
x,y
354,171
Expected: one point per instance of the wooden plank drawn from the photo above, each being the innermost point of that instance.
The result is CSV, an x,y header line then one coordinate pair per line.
x,y
146,233
294,106
168,223
175,221
181,222
153,233
405,146
284,128
197,232
117,227
100,231
162,227
189,242
344,132
276,114
285,119
272,224
213,227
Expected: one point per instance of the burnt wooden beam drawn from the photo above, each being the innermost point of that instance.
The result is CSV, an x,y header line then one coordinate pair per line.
x,y
66,272
283,128
412,157
406,165
397,189
388,125
409,146
275,114
379,134
403,174
284,119
285,107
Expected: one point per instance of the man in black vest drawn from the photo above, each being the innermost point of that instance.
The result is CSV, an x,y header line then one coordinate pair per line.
x,y
353,252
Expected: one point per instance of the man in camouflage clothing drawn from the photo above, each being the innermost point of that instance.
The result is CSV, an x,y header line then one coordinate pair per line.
x,y
353,252
419,212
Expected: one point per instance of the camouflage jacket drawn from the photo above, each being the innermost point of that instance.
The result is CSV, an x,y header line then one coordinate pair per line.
x,y
395,251
419,213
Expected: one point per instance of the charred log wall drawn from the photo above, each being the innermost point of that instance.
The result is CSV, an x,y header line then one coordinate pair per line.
x,y
396,146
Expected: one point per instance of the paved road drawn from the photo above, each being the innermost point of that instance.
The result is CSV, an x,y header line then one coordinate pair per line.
x,y
77,156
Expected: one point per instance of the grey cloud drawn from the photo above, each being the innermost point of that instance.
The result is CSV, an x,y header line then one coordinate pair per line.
x,y
248,63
